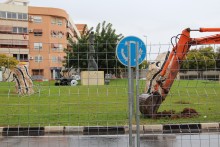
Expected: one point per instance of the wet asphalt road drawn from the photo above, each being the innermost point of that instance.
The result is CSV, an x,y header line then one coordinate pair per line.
x,y
174,140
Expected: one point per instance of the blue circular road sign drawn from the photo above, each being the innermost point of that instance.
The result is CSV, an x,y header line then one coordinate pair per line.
x,y
122,50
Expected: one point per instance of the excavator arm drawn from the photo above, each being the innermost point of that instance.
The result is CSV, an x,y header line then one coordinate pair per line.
x,y
162,80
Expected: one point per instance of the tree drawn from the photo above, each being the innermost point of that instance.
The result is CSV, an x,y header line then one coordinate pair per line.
x,y
144,65
7,62
200,59
106,41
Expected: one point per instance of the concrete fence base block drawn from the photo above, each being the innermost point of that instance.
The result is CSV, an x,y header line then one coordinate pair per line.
x,y
102,130
210,127
73,130
182,128
153,128
134,129
1,131
54,129
22,131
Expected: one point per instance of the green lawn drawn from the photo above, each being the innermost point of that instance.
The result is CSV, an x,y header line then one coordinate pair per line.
x,y
101,105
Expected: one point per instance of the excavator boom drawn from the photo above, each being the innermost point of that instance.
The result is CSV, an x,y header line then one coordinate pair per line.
x,y
160,83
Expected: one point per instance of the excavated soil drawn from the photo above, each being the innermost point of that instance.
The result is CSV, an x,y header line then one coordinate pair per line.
x,y
186,113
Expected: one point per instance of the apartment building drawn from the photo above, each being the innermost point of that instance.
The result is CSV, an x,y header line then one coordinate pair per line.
x,y
82,28
14,30
36,36
49,29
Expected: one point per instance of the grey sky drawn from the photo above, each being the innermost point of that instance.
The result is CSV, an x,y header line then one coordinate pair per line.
x,y
159,20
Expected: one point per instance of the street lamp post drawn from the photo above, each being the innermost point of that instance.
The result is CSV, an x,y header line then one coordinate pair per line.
x,y
146,44
146,39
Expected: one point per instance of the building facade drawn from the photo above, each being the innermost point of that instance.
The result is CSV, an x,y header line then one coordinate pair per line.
x,y
14,30
82,28
49,30
36,36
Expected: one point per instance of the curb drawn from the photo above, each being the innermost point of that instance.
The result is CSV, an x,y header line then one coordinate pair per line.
x,y
1,130
210,127
134,130
73,130
48,130
152,129
111,130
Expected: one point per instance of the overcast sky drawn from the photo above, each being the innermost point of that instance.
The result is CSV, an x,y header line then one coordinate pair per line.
x,y
159,20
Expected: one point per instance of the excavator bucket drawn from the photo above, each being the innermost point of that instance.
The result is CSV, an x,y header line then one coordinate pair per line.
x,y
149,104
151,100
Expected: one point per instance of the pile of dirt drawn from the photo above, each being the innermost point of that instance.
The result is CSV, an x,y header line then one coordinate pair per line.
x,y
189,112
166,113
186,113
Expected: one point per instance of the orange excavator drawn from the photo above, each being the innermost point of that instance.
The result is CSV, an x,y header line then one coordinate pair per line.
x,y
159,84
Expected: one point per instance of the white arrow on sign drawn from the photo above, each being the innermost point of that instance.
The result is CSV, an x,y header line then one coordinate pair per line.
x,y
123,55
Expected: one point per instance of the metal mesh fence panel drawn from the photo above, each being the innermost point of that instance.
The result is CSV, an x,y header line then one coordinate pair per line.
x,y
75,105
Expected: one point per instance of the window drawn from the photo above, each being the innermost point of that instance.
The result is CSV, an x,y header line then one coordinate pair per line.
x,y
53,21
16,56
60,59
2,14
38,32
38,58
57,47
14,15
53,33
36,72
56,21
25,16
38,45
20,16
37,19
9,15
60,35
15,30
23,57
25,30
20,30
54,59
60,47
59,22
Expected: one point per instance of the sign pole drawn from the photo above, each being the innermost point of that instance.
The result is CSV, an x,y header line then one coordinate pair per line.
x,y
130,94
137,97
131,52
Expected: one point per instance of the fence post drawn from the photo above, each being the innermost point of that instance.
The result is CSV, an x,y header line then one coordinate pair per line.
x,y
130,95
137,97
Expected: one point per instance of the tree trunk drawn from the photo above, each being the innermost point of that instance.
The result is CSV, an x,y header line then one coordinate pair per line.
x,y
24,83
